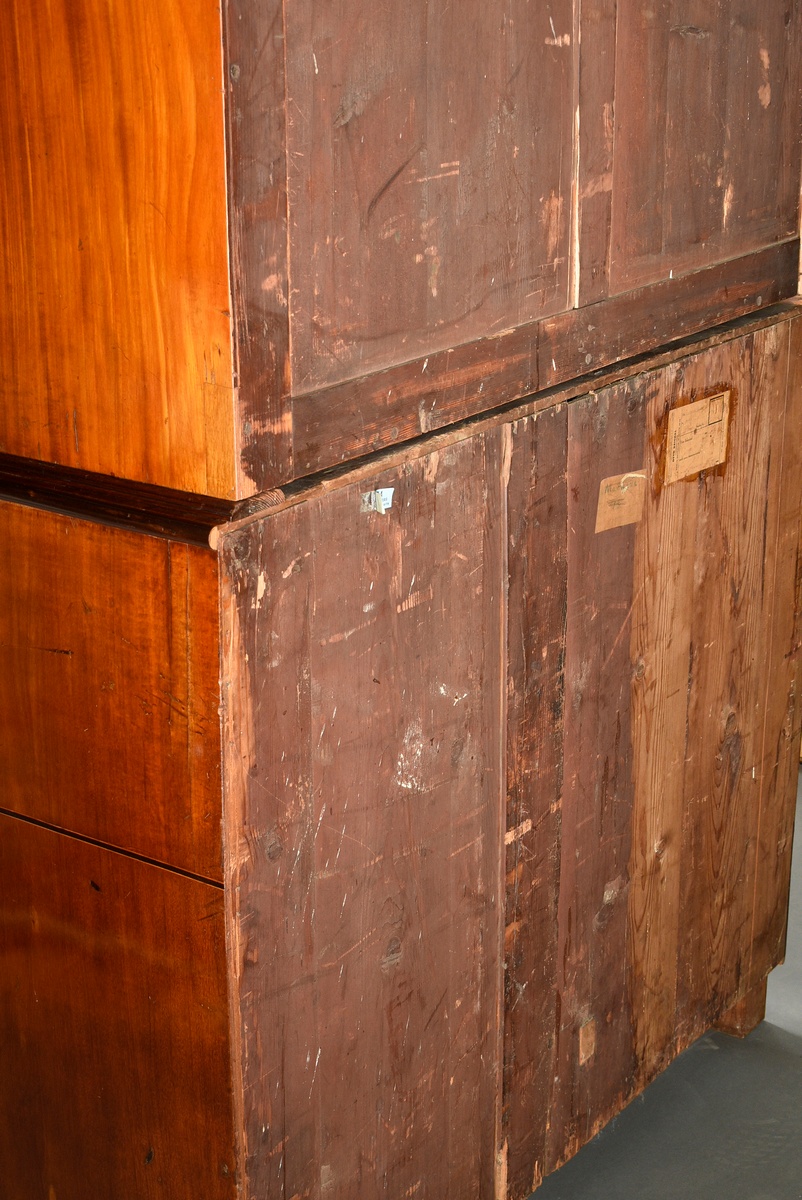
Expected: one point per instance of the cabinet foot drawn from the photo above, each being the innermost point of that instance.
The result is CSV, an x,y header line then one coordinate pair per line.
x,y
744,1016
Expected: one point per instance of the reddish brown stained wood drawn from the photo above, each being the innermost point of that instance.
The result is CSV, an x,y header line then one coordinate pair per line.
x,y
778,768
729,619
746,1015
113,277
536,503
113,1026
596,126
108,686
342,422
594,1060
430,158
365,872
706,150
257,166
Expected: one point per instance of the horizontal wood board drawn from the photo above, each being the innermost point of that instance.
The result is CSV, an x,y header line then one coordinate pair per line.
x,y
109,672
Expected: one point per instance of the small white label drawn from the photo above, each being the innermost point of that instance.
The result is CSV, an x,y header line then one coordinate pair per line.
x,y
380,501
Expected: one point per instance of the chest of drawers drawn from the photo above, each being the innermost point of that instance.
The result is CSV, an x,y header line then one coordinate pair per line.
x,y
400,612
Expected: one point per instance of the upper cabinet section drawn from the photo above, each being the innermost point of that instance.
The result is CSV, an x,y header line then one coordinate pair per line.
x,y
241,246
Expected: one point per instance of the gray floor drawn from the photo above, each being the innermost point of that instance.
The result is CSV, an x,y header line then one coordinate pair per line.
x,y
724,1122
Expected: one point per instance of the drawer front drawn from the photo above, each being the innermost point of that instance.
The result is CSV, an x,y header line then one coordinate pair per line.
x,y
108,686
113,1026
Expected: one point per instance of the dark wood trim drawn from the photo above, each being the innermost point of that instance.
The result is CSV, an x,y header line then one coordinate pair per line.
x,y
254,63
363,415
160,511
322,482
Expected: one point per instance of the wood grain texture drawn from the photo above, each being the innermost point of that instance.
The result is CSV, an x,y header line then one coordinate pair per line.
x,y
594,1061
780,701
113,1026
108,686
430,157
114,276
257,165
597,66
364,847
537,579
341,422
706,150
712,757
746,1015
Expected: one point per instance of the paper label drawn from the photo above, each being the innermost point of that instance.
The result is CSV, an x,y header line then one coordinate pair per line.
x,y
620,500
697,436
380,501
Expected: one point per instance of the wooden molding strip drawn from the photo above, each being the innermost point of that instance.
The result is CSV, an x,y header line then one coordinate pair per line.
x,y
354,418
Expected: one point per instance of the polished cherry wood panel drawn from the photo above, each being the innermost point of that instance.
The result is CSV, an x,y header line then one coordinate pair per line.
x,y
113,1026
108,686
114,292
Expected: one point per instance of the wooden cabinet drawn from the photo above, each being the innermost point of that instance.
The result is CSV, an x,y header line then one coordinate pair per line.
x,y
503,778
400,497
246,241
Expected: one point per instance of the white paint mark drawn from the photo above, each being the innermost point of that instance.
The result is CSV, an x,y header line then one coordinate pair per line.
x,y
261,588
425,365
563,40
314,1073
314,60
408,773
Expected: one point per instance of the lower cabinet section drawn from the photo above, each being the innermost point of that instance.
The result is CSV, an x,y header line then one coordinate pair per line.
x,y
510,734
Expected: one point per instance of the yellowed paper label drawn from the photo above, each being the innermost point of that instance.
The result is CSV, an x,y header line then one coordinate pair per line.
x,y
697,436
620,500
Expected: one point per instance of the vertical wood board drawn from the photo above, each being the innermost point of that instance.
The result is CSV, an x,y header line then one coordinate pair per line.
x,y
364,845
537,528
